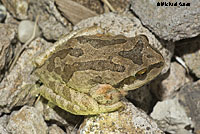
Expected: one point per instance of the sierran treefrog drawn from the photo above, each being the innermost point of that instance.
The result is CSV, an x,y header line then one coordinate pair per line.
x,y
87,73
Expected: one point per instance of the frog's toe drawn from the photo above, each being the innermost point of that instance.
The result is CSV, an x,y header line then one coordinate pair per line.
x,y
101,109
110,108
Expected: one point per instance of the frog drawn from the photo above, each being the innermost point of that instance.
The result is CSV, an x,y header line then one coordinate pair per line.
x,y
89,71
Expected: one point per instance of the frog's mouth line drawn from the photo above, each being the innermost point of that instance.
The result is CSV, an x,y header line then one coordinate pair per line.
x,y
131,79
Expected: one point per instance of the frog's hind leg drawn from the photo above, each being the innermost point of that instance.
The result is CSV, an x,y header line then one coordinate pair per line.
x,y
76,103
59,100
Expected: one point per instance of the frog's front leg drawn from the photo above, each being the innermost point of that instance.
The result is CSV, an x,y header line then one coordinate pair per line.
x,y
76,102
106,94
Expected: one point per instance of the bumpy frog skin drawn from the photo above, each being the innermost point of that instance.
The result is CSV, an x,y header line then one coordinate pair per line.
x,y
87,73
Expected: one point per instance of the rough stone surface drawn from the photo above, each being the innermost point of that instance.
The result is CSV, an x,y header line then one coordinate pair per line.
x,y
189,50
55,113
183,131
3,122
175,79
189,98
3,130
120,5
52,24
17,8
10,19
50,112
129,26
54,129
7,37
100,8
171,116
169,22
127,121
27,121
12,93
93,5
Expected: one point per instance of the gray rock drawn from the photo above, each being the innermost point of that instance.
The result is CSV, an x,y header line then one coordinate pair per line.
x,y
3,13
174,80
141,98
17,8
74,11
171,116
51,22
183,131
119,5
27,121
95,5
51,112
130,120
3,130
129,26
12,93
3,122
169,22
189,98
54,129
7,37
189,50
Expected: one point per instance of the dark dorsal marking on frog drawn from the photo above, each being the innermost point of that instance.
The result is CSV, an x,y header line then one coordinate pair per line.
x,y
97,65
99,43
134,54
67,72
76,52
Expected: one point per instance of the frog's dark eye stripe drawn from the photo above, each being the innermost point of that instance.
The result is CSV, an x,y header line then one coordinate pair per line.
x,y
141,72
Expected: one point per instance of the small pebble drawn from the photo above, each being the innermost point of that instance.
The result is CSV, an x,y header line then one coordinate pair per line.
x,y
3,13
25,30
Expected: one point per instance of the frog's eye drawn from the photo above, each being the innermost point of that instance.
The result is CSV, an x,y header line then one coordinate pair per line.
x,y
141,72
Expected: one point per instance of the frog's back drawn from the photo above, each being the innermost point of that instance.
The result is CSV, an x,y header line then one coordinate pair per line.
x,y
85,61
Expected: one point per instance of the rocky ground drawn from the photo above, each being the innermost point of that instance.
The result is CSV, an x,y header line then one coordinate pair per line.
x,y
169,104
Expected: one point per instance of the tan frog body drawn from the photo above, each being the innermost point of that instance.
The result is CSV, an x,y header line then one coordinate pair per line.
x,y
87,73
